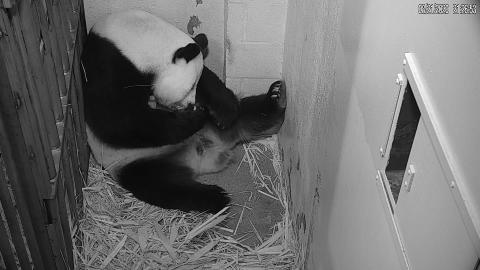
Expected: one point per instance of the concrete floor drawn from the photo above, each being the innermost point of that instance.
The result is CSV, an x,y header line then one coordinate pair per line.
x,y
261,213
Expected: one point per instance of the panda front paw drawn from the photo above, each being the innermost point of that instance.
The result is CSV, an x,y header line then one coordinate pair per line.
x,y
214,199
276,95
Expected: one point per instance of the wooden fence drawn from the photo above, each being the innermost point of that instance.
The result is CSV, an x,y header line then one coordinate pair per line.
x,y
43,147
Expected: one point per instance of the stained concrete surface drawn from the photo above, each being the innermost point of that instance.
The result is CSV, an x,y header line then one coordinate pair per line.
x,y
260,212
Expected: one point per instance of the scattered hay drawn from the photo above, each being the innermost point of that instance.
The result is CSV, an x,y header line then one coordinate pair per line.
x,y
120,232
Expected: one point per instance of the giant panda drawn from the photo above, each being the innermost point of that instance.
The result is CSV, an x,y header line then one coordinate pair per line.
x,y
156,152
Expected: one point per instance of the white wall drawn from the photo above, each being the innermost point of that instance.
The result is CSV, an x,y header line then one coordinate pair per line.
x,y
179,12
254,44
340,66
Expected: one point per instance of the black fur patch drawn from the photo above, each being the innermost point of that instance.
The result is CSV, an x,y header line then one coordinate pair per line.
x,y
261,115
221,102
202,41
116,102
169,185
188,52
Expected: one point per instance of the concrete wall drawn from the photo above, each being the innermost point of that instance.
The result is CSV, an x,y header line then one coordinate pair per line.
x,y
254,44
341,61
193,17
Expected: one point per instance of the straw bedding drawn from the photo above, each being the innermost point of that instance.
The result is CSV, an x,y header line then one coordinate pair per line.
x,y
119,232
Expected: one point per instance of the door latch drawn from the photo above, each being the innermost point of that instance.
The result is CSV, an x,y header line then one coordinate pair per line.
x,y
409,178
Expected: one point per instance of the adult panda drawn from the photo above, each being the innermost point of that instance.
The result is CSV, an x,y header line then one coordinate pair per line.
x,y
156,153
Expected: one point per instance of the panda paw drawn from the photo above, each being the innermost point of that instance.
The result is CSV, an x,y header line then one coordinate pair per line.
x,y
276,95
214,199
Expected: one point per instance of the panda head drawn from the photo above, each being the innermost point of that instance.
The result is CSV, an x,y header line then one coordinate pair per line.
x,y
175,87
155,47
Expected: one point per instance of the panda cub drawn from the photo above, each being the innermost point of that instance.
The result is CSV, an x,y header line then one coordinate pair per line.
x,y
156,152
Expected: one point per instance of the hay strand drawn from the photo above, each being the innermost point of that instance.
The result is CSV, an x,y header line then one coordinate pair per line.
x,y
119,232
113,253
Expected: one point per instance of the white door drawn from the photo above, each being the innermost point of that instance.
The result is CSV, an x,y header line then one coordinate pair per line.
x,y
430,225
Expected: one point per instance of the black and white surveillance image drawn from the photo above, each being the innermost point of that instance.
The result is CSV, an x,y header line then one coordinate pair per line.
x,y
239,134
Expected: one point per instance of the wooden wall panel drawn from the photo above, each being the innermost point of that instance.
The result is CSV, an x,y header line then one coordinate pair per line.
x,y
43,149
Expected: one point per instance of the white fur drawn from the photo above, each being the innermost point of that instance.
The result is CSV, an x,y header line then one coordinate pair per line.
x,y
150,42
184,153
112,158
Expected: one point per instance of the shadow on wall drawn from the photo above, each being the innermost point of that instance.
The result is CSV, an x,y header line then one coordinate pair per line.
x,y
345,62
333,41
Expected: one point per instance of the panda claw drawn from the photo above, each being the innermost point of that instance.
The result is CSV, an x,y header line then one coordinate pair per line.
x,y
276,93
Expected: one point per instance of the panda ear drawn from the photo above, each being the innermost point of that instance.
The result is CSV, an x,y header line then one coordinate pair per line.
x,y
202,41
188,52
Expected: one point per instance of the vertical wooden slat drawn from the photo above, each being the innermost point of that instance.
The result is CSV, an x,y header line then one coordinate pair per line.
x,y
76,12
54,231
2,263
30,110
65,24
64,222
79,85
46,52
72,19
78,110
67,172
76,101
55,48
80,79
76,146
82,27
37,145
72,15
28,34
44,65
5,247
53,10
13,223
22,183
56,245
21,180
76,172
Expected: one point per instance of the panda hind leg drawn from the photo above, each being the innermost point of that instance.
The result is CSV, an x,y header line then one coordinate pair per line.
x,y
262,115
171,186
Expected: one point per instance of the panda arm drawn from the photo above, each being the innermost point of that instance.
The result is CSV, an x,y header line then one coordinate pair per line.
x,y
165,127
221,103
124,119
